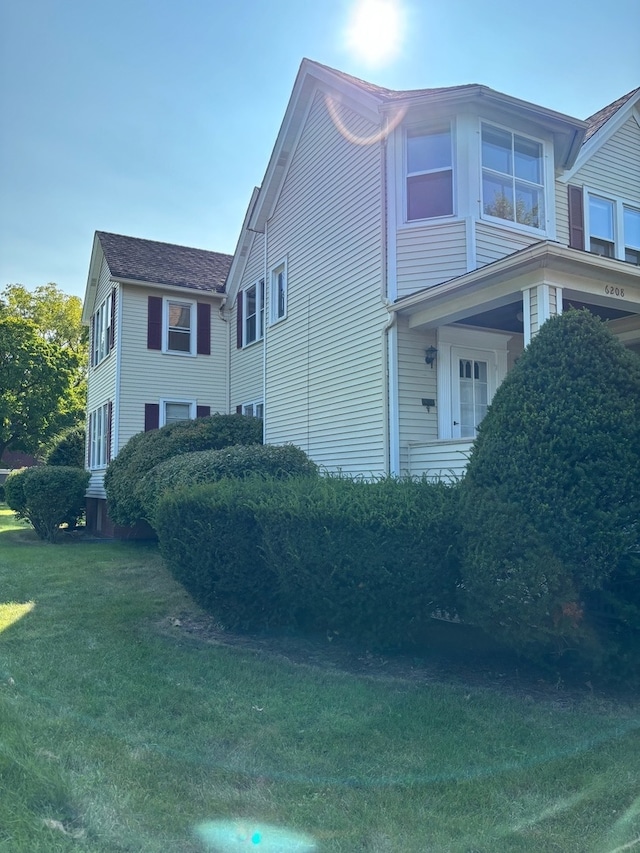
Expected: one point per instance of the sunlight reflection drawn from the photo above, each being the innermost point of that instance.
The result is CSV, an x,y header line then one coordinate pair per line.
x,y
393,121
226,836
11,612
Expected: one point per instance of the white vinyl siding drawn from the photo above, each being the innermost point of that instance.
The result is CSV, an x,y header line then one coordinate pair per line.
x,y
246,381
614,169
416,381
494,242
325,365
428,255
151,375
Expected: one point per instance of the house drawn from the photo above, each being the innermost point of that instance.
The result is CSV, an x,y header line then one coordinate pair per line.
x,y
403,249
158,345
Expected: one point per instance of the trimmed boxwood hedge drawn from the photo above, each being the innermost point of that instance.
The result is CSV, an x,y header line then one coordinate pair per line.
x,y
371,561
47,496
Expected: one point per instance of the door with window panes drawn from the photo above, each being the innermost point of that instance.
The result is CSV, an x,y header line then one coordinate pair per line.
x,y
473,384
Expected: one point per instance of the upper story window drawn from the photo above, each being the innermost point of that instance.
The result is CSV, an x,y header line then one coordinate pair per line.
x,y
512,177
429,162
614,229
278,295
253,313
102,342
179,332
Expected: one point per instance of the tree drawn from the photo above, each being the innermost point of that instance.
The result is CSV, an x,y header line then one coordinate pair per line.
x,y
57,315
38,385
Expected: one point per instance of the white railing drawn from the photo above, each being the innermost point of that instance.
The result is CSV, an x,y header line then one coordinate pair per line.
x,y
439,460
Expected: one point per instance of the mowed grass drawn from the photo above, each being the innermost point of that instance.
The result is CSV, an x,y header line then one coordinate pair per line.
x,y
120,733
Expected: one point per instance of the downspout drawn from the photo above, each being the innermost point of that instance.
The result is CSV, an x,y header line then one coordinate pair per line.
x,y
266,288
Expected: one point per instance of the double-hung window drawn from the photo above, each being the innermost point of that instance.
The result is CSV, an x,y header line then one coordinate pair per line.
x,y
253,410
99,436
102,331
278,295
179,331
253,313
429,164
512,177
173,411
614,229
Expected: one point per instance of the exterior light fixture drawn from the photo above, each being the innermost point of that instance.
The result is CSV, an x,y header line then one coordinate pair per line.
x,y
430,355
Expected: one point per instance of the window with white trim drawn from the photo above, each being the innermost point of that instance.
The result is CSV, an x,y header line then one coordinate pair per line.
x,y
278,295
254,409
253,313
429,173
174,411
512,177
179,334
99,435
102,332
614,228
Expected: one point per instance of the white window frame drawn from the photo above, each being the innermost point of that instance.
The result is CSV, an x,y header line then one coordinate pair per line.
x,y
546,186
420,130
620,205
165,401
98,440
278,287
259,313
253,409
192,305
102,331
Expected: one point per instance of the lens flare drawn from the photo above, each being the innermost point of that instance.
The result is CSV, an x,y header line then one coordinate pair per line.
x,y
375,31
229,836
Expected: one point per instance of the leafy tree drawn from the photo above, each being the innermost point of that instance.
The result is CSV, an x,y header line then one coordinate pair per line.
x,y
38,392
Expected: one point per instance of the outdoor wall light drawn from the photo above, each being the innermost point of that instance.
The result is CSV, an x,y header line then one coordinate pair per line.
x,y
430,355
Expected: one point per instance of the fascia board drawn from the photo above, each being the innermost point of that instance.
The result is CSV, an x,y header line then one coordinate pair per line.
x,y
310,78
608,129
91,289
190,292
242,250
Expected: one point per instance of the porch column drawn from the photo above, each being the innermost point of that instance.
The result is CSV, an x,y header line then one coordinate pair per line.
x,y
539,303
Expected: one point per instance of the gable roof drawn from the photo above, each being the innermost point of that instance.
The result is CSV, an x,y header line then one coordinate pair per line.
x,y
148,261
601,117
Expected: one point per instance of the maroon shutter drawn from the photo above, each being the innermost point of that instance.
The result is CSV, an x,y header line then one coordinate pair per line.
x,y
203,411
112,326
238,410
151,416
154,323
109,430
89,434
576,217
204,329
239,320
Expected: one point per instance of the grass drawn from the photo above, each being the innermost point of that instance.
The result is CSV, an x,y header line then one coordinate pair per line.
x,y
119,732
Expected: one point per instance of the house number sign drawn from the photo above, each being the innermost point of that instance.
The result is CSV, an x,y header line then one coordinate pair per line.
x,y
610,290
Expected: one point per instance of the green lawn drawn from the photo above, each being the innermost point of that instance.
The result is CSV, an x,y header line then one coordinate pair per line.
x,y
119,732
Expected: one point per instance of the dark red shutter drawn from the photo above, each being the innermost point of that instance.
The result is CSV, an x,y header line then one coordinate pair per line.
x,y
238,410
239,320
576,217
154,323
112,326
204,329
203,411
151,416
109,429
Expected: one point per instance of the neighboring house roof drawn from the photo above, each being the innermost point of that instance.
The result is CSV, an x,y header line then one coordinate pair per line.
x,y
134,259
600,118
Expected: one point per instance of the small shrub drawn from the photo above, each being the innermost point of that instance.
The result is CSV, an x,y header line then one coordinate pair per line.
x,y
47,497
209,466
147,449
68,449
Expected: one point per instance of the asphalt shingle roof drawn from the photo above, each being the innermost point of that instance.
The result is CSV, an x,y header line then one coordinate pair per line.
x,y
597,120
164,263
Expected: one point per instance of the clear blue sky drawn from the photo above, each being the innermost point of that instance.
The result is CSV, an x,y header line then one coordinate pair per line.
x,y
156,119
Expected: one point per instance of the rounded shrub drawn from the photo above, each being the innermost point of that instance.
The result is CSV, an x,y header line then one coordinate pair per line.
x,y
209,466
147,449
551,497
68,449
48,497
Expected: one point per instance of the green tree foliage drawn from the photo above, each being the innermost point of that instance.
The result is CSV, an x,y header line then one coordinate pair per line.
x,y
147,449
57,315
551,497
37,386
67,449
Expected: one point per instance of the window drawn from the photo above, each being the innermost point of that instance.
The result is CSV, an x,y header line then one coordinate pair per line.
x,y
173,411
278,296
253,312
179,333
512,177
100,436
473,395
252,410
614,229
102,342
429,174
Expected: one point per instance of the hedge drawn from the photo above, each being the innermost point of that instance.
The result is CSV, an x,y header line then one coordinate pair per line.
x,y
47,496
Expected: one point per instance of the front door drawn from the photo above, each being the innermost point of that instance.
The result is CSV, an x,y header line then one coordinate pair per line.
x,y
472,386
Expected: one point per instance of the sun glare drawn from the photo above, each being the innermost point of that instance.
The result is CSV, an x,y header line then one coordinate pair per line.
x,y
12,612
375,30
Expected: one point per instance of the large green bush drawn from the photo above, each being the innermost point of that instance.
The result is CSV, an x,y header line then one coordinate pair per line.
x,y
371,561
209,466
47,497
551,497
147,449
67,449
